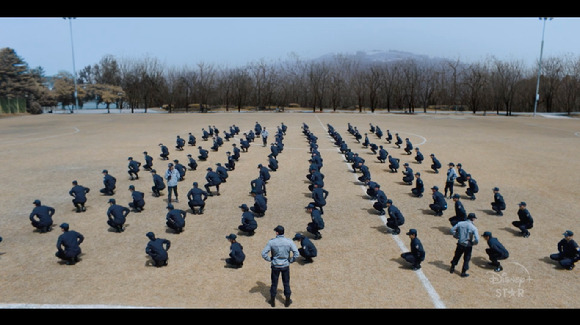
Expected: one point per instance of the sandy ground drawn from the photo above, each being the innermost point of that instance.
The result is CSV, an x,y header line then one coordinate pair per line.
x,y
532,159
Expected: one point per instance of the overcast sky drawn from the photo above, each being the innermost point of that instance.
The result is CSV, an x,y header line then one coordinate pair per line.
x,y
235,41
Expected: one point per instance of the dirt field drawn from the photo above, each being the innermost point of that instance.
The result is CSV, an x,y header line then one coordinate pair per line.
x,y
532,159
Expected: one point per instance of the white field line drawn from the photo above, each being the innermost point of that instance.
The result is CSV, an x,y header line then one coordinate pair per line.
x,y
23,141
426,283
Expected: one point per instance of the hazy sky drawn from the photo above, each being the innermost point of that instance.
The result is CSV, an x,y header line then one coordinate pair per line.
x,y
235,41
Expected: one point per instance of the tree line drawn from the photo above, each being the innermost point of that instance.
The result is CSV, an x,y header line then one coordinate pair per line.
x,y
343,82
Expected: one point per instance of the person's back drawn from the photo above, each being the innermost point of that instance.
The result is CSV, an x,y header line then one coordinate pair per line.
x,y
278,251
118,213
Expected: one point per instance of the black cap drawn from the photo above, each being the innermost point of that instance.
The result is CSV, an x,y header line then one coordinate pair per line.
x,y
231,236
471,216
412,232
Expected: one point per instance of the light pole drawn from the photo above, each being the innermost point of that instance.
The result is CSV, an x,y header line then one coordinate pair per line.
x,y
540,65
73,60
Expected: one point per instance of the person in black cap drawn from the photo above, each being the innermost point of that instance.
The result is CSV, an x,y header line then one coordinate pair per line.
x,y
393,164
525,222
408,174
317,222
109,182
191,140
196,198
257,186
213,179
496,251
203,154
408,146
248,221
231,161
172,176
395,219
235,152
272,163
236,257
472,187
191,163
263,173
68,245
133,168
418,156
568,251
383,154
467,236
419,187
179,143
180,168
222,172
117,215
148,161
280,252
175,218
381,200
450,180
398,141
319,196
157,249
41,216
498,204
417,253
460,213
260,205
164,152
79,194
436,164
158,184
138,203
461,175
439,204
307,249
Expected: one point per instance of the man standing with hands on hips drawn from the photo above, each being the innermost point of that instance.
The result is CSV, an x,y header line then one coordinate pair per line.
x,y
277,252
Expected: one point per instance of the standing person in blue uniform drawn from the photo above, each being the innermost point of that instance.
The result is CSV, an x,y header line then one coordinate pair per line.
x,y
450,180
467,236
260,205
417,253
439,204
41,217
307,249
419,187
138,203
472,188
164,152
395,219
68,245
248,222
280,252
568,251
213,180
460,213
498,204
525,221
495,251
436,164
316,221
117,215
236,256
172,177
419,156
157,249
79,194
196,198
158,183
408,174
191,163
175,218
319,196
148,161
109,182
408,146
